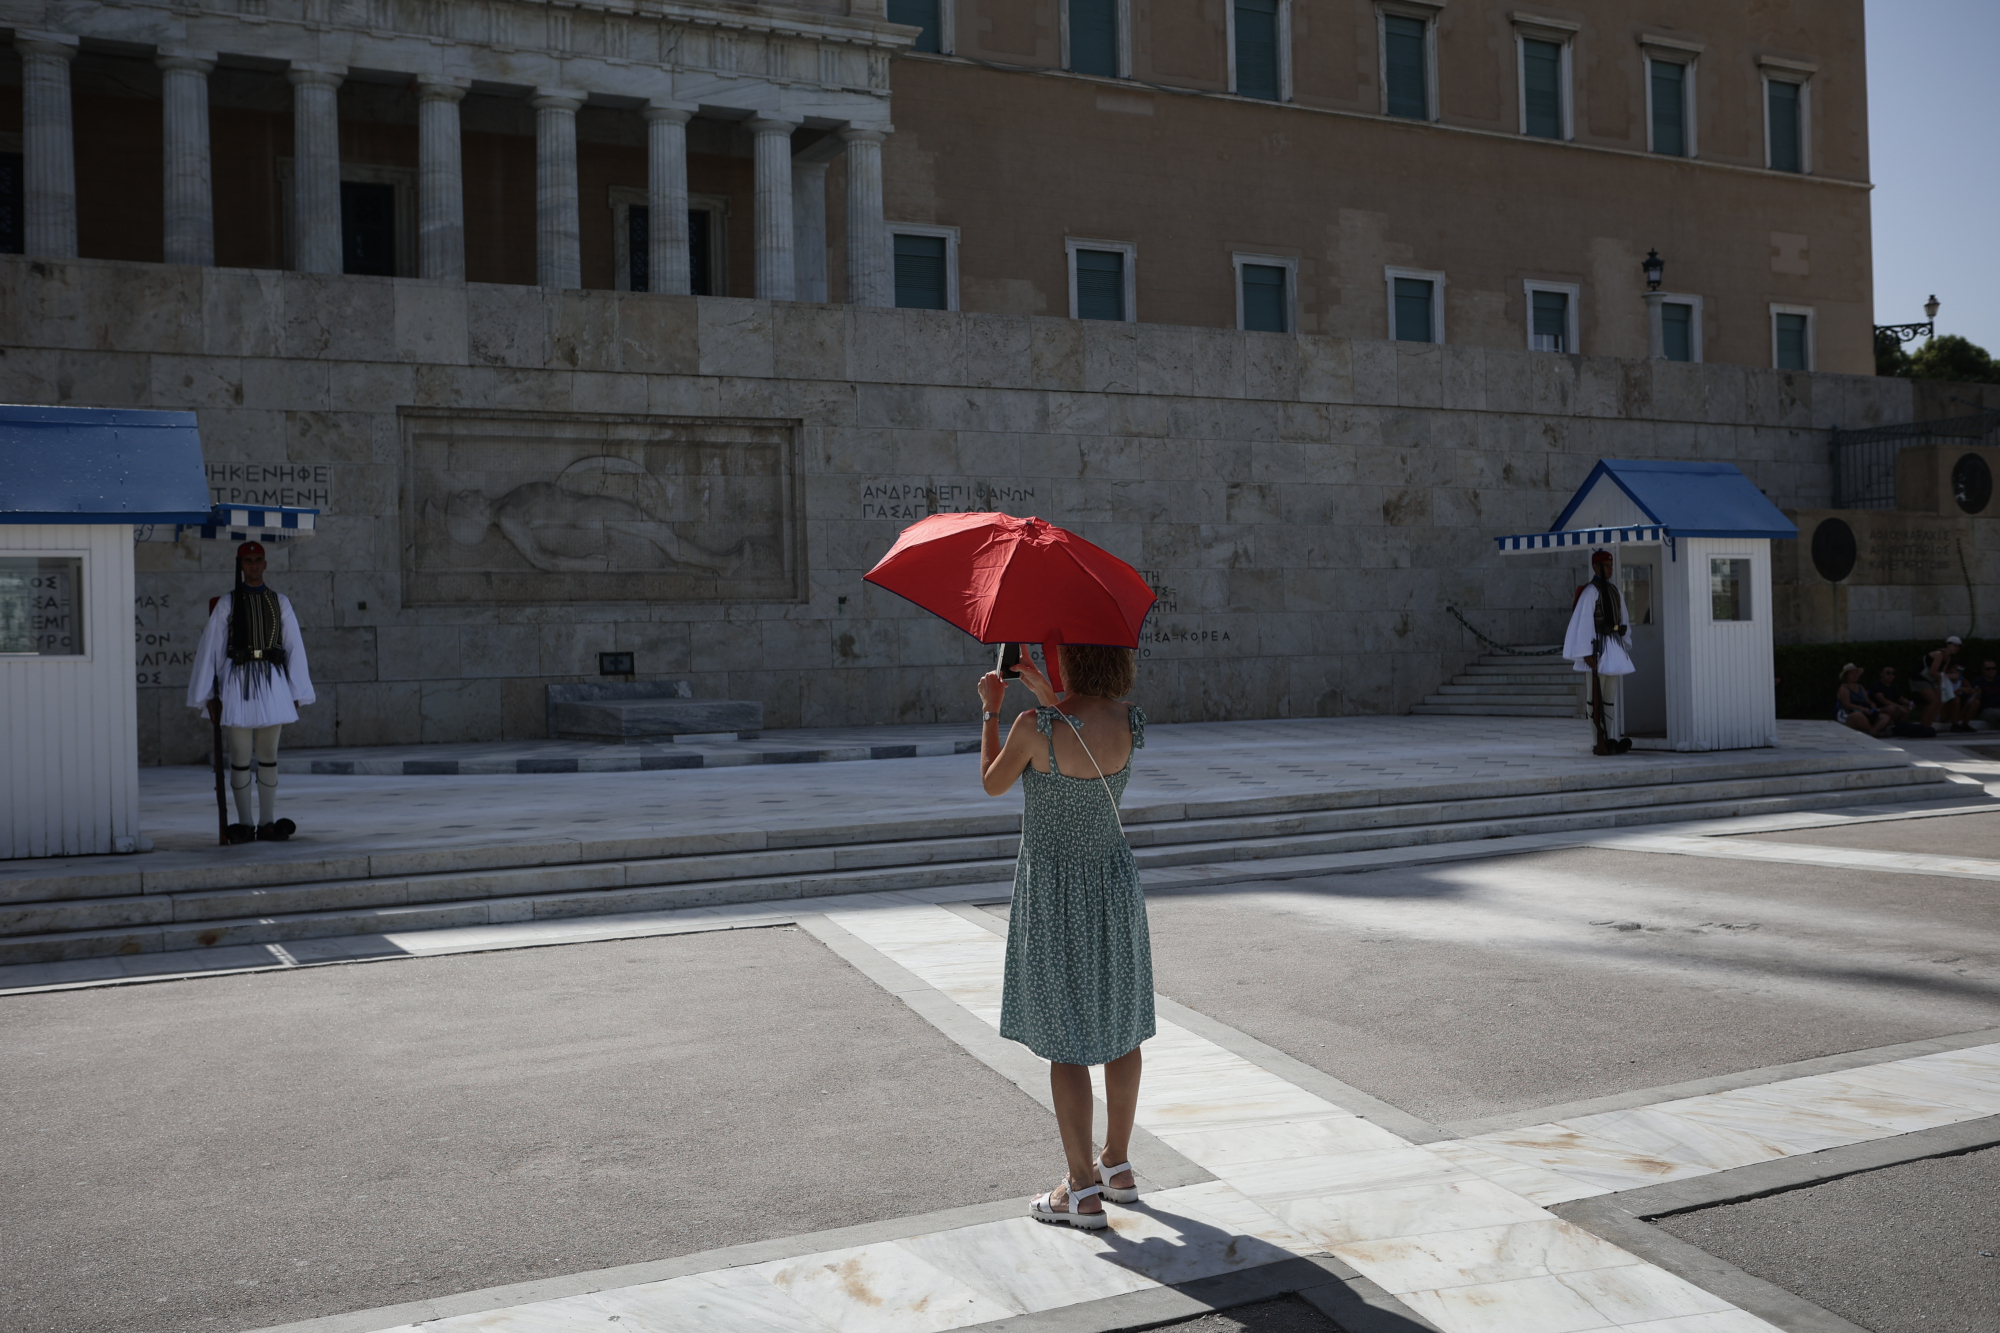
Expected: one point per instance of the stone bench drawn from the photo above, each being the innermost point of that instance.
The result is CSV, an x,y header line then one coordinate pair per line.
x,y
618,712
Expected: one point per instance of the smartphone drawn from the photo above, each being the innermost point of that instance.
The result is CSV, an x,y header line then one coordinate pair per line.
x,y
1009,665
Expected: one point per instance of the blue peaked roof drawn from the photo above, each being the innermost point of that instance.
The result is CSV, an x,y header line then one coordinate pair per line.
x,y
100,465
1689,499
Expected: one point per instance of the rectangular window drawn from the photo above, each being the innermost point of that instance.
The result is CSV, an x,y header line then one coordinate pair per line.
x,y
1541,89
638,249
1548,330
1728,588
1093,37
1414,298
1100,284
1791,339
1669,93
1785,125
921,272
918,14
41,606
1257,49
1406,66
1677,331
1266,303
12,235
368,228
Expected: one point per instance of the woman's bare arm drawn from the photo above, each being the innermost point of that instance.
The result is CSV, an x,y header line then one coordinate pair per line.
x,y
1000,766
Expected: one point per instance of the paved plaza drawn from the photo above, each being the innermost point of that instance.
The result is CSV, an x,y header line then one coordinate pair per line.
x,y
1713,1076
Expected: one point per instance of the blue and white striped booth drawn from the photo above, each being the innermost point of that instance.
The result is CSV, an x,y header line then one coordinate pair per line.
x,y
1692,546
237,523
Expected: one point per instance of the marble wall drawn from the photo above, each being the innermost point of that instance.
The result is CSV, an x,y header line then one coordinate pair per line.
x,y
702,481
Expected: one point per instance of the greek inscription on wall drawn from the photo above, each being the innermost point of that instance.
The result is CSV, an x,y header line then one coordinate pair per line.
x,y
908,499
1908,555
161,656
519,507
295,485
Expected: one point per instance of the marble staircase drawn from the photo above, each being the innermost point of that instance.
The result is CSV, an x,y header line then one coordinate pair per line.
x,y
65,915
1538,683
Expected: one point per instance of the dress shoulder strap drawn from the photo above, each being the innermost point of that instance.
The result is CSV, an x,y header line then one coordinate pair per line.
x,y
1137,717
1045,722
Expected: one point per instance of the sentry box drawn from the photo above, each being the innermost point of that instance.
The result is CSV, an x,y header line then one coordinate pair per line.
x,y
1692,542
77,486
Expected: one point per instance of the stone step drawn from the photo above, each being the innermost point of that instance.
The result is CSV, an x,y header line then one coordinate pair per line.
x,y
573,899
1429,709
1540,677
1552,657
1495,689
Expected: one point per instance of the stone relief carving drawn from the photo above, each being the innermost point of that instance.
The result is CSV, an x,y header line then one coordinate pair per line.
x,y
532,507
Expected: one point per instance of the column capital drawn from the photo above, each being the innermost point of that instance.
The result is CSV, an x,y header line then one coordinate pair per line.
x,y
442,87
765,124
56,45
305,74
557,99
670,112
176,57
864,134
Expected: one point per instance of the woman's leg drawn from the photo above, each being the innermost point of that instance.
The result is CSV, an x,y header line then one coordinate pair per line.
x,y
1858,721
1121,1097
1069,1085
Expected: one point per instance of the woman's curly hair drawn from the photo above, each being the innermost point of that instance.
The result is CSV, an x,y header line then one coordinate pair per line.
x,y
1100,670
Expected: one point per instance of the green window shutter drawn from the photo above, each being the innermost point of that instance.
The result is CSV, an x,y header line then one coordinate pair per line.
x,y
638,249
1257,49
1791,330
1677,331
1413,310
1093,37
1550,329
12,212
918,14
1669,107
1541,81
1409,77
1785,145
921,281
1264,298
701,251
1100,284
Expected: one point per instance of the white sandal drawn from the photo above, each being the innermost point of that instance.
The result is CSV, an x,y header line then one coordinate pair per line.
x,y
1111,1191
1044,1210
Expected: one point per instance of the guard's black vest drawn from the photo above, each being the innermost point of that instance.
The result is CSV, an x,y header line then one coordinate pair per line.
x,y
1608,614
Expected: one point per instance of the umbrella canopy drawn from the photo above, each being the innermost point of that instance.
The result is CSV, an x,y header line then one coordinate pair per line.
x,y
1003,579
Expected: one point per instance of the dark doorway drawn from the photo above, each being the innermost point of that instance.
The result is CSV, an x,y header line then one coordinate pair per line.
x,y
638,234
13,238
368,228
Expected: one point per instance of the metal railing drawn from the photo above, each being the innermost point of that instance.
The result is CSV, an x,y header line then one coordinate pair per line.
x,y
1864,461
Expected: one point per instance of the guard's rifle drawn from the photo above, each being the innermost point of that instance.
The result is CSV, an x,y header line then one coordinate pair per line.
x,y
215,730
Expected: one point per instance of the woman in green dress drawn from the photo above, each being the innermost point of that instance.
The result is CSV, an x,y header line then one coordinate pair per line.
x,y
1079,981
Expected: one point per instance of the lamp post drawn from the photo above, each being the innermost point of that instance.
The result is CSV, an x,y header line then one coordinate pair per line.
x,y
1654,267
1902,333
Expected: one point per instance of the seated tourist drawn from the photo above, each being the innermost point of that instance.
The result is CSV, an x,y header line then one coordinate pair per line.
x,y
1852,707
1888,694
1927,688
1987,685
1961,698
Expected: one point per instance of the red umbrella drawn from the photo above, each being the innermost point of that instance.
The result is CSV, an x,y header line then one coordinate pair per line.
x,y
1003,579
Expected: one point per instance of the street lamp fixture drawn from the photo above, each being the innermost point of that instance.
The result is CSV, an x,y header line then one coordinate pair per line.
x,y
1655,266
1902,333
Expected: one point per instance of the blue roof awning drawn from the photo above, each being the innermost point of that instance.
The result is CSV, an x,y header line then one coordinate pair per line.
x,y
100,465
1676,499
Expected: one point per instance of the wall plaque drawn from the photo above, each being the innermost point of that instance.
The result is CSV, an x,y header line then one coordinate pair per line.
x,y
516,507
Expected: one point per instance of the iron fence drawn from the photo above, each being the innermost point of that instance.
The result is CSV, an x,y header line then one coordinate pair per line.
x,y
1864,461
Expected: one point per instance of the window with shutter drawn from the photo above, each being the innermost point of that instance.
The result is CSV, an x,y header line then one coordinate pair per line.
x,y
1413,310
1669,83
1093,37
1407,70
920,273
1541,87
368,228
1264,303
918,14
638,250
12,234
701,253
1100,284
1786,150
1677,331
1550,330
1791,345
1257,49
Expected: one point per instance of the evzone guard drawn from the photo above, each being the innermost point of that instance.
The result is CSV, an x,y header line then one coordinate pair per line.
x,y
1600,642
250,671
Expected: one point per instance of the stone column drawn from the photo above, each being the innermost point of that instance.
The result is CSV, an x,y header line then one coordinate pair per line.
x,y
667,198
440,179
558,253
870,280
48,145
809,230
190,237
776,280
316,167
1656,333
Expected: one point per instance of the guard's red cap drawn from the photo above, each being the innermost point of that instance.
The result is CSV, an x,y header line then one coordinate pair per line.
x,y
1595,556
249,548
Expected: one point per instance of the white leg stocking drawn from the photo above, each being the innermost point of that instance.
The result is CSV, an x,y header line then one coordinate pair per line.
x,y
267,773
239,741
